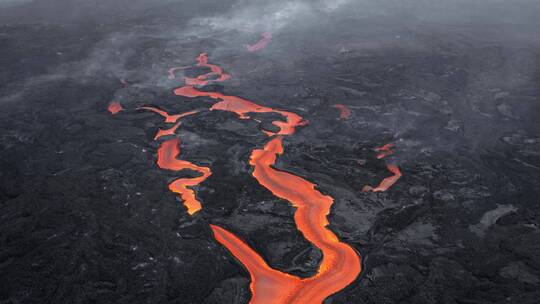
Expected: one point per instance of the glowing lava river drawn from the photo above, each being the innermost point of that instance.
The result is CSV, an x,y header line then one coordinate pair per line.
x,y
340,264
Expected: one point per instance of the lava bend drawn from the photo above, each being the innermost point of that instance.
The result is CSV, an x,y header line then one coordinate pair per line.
x,y
261,44
340,264
387,182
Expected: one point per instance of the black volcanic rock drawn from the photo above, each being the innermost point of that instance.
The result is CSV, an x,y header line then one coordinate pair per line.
x,y
86,215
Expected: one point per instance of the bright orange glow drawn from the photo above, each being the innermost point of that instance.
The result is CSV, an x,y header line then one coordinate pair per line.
x,y
167,159
340,264
387,182
267,285
344,111
261,44
165,132
168,118
203,79
242,107
385,150
115,107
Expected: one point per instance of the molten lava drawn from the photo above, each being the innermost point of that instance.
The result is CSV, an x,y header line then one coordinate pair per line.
x,y
385,150
115,107
165,132
167,159
242,107
168,118
344,111
204,79
340,264
261,44
388,182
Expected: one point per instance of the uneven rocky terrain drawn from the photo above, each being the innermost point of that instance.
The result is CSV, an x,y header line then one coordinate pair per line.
x,y
86,215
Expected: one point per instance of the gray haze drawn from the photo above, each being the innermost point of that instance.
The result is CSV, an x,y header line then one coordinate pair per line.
x,y
116,31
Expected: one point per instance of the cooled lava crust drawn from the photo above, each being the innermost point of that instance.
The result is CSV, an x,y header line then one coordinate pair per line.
x,y
420,135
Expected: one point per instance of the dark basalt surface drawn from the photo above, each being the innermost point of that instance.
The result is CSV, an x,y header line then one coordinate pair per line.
x,y
85,213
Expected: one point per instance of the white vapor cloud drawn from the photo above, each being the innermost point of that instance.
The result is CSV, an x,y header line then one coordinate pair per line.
x,y
257,16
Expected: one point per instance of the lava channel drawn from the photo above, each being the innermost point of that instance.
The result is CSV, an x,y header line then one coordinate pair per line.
x,y
387,182
344,111
166,132
115,107
385,150
261,44
168,117
340,265
167,159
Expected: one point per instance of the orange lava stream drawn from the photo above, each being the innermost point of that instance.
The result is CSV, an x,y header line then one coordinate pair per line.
x,y
115,107
341,264
385,150
165,132
168,118
388,182
261,44
345,112
242,107
167,159
204,79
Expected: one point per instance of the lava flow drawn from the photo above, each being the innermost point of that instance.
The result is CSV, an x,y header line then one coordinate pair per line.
x,y
261,44
344,111
340,264
168,118
165,132
115,107
167,159
385,150
388,182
